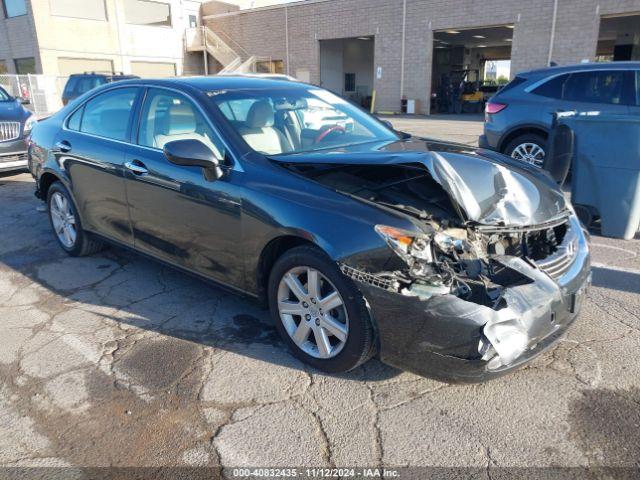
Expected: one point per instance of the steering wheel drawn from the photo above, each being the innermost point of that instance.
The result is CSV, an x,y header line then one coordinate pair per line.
x,y
322,135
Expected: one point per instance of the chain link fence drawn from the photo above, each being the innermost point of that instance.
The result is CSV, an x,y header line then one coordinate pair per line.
x,y
44,92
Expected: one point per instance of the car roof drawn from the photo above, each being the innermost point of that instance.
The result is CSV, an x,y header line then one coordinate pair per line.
x,y
222,82
99,74
542,72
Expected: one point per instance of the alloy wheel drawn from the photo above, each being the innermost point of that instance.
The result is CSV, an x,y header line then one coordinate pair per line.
x,y
313,312
529,153
63,220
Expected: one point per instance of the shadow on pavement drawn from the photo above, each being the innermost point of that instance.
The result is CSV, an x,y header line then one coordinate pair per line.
x,y
131,289
616,280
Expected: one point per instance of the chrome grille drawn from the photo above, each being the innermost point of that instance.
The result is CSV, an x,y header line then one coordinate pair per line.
x,y
559,263
18,157
9,131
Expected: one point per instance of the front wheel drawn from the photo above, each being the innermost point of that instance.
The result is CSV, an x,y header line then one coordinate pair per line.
x,y
529,148
319,313
66,224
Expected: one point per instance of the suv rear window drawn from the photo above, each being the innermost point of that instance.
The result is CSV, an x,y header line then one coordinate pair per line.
x,y
513,84
553,88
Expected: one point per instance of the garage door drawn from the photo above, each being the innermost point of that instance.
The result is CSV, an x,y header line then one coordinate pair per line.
x,y
68,66
153,69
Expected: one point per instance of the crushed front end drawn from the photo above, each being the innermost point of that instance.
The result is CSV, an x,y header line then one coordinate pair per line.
x,y
473,304
492,270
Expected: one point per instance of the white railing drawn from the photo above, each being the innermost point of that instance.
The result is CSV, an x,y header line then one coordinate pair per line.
x,y
236,46
232,67
203,38
43,92
218,48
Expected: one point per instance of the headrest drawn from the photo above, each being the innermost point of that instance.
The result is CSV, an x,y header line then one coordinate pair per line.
x,y
181,119
260,115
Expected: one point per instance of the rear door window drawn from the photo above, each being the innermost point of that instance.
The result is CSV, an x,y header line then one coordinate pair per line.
x,y
74,120
553,88
604,87
108,114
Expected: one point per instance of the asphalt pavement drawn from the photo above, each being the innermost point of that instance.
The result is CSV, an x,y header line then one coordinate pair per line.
x,y
114,360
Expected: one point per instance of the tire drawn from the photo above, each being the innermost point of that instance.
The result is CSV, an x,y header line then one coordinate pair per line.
x,y
527,139
83,243
347,354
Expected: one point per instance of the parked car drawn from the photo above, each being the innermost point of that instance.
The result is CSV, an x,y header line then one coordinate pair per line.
x,y
81,83
518,118
16,123
447,261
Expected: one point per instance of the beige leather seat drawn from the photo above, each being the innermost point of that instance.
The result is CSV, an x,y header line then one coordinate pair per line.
x,y
181,125
260,133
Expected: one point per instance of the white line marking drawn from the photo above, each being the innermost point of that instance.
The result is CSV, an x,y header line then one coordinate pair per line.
x,y
619,249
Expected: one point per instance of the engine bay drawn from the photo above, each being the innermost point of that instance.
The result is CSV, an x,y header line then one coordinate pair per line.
x,y
454,256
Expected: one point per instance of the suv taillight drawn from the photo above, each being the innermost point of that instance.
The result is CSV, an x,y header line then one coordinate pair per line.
x,y
493,108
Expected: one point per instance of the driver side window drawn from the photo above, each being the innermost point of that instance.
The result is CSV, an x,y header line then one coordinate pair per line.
x,y
169,116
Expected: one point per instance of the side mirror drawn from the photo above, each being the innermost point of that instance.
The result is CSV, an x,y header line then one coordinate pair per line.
x,y
194,153
388,124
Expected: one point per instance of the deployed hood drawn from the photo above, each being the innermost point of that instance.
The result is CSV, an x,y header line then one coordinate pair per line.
x,y
489,188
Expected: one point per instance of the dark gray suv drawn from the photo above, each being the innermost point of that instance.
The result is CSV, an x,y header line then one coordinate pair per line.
x,y
518,118
16,123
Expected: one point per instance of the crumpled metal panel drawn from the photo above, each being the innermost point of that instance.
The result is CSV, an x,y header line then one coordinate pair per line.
x,y
490,188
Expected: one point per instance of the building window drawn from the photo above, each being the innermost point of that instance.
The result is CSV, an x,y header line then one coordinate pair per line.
x,y
14,8
144,12
349,82
25,66
85,9
193,21
3,67
270,66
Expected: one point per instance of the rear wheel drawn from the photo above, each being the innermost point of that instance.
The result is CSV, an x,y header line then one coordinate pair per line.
x,y
319,313
529,148
66,225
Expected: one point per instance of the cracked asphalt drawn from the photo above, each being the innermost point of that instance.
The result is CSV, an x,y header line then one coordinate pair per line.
x,y
114,360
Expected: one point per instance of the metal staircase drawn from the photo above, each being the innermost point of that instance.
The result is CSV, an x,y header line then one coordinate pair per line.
x,y
238,60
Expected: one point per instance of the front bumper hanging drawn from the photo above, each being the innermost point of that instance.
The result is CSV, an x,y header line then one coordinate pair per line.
x,y
454,340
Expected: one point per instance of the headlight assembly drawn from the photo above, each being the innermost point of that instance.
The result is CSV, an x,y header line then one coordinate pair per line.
x,y
408,245
30,123
412,246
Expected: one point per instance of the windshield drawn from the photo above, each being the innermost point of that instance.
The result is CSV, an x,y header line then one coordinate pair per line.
x,y
296,120
4,96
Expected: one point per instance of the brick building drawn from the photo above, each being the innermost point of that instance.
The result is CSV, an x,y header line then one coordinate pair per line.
x,y
409,42
61,37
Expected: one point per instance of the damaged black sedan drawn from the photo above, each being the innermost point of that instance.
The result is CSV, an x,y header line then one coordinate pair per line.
x,y
445,260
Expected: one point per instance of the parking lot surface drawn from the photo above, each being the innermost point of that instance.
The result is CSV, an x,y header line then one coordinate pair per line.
x,y
115,360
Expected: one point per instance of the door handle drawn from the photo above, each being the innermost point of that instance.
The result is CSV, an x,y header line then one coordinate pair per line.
x,y
63,146
136,167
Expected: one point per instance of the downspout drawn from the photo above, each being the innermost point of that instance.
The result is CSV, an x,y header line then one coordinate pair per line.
x,y
402,54
116,6
553,31
286,30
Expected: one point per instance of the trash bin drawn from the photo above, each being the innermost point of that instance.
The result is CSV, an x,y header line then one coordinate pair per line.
x,y
561,148
606,169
